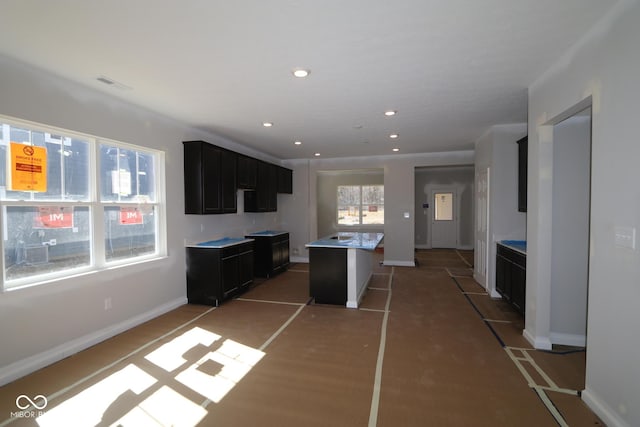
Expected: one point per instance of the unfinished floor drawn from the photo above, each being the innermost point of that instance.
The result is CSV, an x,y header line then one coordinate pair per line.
x,y
427,347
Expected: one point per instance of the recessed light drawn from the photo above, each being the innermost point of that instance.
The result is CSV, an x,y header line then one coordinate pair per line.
x,y
317,154
390,113
301,73
298,142
267,124
393,136
396,149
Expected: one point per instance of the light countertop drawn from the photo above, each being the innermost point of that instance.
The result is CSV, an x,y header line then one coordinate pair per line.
x,y
268,233
347,239
220,243
516,245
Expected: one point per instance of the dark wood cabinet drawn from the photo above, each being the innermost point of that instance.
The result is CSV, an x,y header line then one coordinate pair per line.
x,y
271,253
216,274
265,196
247,172
511,276
285,180
523,151
209,179
328,275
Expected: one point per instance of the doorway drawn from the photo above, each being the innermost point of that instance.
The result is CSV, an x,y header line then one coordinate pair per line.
x,y
571,207
444,218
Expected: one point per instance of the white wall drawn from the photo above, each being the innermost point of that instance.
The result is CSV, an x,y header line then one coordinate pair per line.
x,y
602,69
399,181
498,149
41,324
570,230
460,178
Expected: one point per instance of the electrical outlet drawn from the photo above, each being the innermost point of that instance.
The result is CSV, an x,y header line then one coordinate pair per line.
x,y
625,237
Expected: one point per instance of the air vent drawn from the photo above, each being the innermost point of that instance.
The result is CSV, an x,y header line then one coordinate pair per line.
x,y
108,81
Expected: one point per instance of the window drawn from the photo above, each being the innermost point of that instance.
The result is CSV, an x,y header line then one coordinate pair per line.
x,y
360,204
60,216
444,207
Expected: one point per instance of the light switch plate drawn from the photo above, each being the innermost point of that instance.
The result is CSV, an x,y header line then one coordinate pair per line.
x,y
625,237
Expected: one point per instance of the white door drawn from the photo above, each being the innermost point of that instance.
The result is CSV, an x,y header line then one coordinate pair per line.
x,y
444,219
481,253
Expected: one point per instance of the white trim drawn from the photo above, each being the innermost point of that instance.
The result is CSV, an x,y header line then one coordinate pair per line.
x,y
602,410
576,340
31,364
302,259
539,343
400,263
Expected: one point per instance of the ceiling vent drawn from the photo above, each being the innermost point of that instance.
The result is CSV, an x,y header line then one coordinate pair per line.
x,y
111,82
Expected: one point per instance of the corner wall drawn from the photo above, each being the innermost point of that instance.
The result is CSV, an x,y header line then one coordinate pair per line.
x,y
602,69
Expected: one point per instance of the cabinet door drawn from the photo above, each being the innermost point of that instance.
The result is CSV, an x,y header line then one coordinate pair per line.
x,y
245,267
272,188
227,184
211,174
229,274
247,172
503,277
518,280
285,181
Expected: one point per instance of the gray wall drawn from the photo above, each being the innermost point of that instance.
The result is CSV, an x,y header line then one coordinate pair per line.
x,y
327,185
602,69
41,324
428,179
301,213
570,233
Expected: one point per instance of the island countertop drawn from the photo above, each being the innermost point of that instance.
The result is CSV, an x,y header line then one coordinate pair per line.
x,y
348,239
220,243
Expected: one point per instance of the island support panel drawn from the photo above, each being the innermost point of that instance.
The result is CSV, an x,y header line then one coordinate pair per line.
x,y
328,275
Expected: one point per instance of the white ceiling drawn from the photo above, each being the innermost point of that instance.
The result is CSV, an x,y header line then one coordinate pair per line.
x,y
451,68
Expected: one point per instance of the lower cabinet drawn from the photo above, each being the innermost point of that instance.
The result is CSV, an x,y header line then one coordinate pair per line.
x,y
511,276
216,274
271,254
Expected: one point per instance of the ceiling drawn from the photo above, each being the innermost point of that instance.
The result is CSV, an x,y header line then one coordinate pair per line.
x,y
450,68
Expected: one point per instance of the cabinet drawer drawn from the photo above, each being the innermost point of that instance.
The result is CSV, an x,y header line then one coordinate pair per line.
x,y
515,257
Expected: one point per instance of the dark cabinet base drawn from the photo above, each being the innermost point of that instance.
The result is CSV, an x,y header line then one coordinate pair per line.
x,y
271,254
217,274
328,275
511,276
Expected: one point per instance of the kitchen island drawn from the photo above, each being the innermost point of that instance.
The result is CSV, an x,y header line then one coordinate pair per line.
x,y
340,266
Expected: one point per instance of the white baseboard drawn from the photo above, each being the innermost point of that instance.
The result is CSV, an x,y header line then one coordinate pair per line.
x,y
602,410
421,246
575,340
301,259
539,343
31,364
400,263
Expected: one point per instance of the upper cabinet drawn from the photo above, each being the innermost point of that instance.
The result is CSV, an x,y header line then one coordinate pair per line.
x,y
209,179
522,174
247,172
285,180
212,176
264,198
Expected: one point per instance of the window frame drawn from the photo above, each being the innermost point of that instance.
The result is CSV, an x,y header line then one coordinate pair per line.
x,y
360,206
96,208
